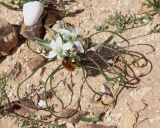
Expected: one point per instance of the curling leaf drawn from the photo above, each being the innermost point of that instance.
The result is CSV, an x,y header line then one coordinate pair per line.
x,y
43,44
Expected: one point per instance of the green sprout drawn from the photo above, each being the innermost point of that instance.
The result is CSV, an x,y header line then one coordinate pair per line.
x,y
154,4
18,5
129,21
3,92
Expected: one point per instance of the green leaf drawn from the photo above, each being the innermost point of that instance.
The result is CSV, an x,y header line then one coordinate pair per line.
x,y
43,44
10,6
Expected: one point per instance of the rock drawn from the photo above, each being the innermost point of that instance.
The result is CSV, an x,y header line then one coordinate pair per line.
x,y
28,103
138,106
143,124
8,37
32,32
45,95
155,119
112,118
137,94
31,17
72,116
50,19
128,120
42,103
69,125
156,91
15,71
97,126
34,62
67,112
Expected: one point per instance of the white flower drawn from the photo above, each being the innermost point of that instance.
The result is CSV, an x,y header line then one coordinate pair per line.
x,y
32,12
67,35
58,48
71,37
78,44
42,103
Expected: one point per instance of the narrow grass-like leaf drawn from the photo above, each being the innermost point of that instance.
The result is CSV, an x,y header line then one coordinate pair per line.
x,y
43,44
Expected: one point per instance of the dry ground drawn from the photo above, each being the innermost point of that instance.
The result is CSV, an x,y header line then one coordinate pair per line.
x,y
141,104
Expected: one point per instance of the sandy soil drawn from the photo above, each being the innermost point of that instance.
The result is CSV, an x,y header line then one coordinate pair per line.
x,y
140,106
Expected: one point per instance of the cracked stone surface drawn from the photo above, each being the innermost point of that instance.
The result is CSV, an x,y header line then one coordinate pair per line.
x,y
128,120
137,94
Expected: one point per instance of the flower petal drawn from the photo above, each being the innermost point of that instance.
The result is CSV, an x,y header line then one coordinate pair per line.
x,y
75,32
64,32
52,54
79,46
67,46
53,44
59,41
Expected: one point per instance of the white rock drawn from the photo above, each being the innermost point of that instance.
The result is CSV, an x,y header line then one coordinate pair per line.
x,y
69,125
108,119
42,103
155,119
32,12
9,94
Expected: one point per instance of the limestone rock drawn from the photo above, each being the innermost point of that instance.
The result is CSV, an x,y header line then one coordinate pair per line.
x,y
8,37
50,19
128,120
138,106
15,71
32,32
32,12
73,116
34,62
